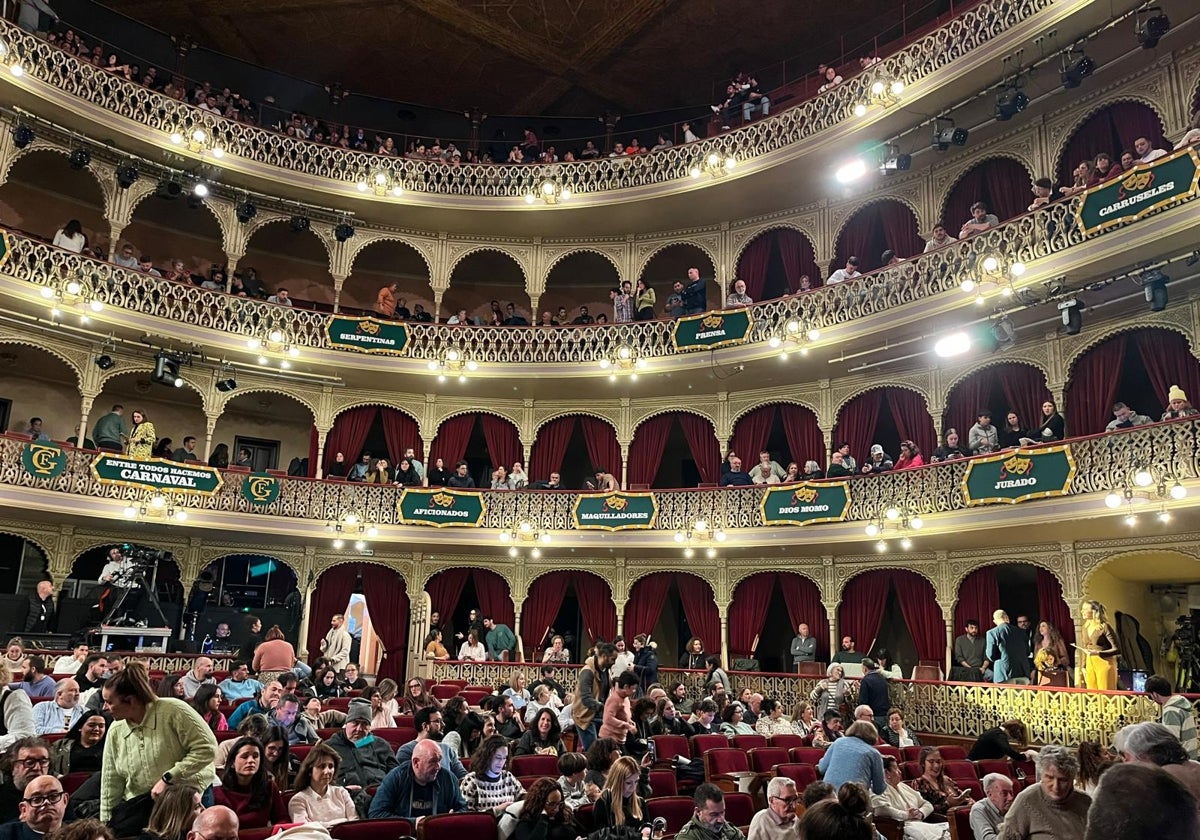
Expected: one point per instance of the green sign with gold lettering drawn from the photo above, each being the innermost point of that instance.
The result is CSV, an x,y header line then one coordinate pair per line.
x,y
44,460
441,508
366,335
156,474
1140,191
260,488
615,511
1019,475
712,329
804,504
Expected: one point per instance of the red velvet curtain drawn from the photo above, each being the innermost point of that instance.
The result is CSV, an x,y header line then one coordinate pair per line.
x,y
349,433
646,449
702,441
857,421
700,610
861,237
748,612
1168,361
861,611
1093,386
445,590
752,265
645,603
387,603
978,598
400,431
493,595
1111,130
331,596
751,433
452,438
596,605
964,402
550,448
603,448
1000,183
503,441
918,603
1052,607
314,440
803,601
540,609
912,418
804,437
798,256
900,229
1025,389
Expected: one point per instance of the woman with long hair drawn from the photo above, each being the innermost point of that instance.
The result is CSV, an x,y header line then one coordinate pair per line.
x,y
171,685
273,656
543,816
1093,760
277,755
406,474
517,690
472,649
715,674
140,443
489,786
693,657
939,790
317,799
1101,646
326,683
667,721
910,456
434,649
81,750
619,804
542,737
803,723
71,237
846,818
173,813
384,707
417,697
163,449
248,789
1053,426
219,457
207,703
1047,637
644,301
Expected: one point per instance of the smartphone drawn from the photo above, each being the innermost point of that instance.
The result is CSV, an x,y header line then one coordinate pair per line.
x,y
653,752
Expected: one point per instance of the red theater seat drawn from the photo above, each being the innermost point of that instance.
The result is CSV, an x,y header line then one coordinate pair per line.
x,y
465,826
787,742
444,691
726,767
764,758
953,752
663,783
703,743
806,755
739,810
534,765
371,830
748,742
676,810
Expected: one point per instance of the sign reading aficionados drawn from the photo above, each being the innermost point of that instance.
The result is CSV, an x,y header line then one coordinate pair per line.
x,y
1142,190
441,508
804,504
1018,475
157,474
366,335
614,511
712,329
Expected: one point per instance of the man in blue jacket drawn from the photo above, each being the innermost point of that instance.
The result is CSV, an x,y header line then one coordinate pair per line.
x,y
1007,650
421,788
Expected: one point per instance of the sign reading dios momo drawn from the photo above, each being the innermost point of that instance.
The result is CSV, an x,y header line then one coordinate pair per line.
x,y
712,329
804,504
1018,475
366,335
614,511
1141,190
440,508
156,474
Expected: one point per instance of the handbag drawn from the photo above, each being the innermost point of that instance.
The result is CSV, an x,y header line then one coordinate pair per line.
x,y
130,818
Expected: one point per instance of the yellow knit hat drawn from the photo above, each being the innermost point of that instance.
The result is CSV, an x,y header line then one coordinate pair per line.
x,y
1176,393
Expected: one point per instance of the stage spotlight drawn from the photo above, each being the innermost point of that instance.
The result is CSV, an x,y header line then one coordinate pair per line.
x,y
168,188
79,158
299,224
1072,315
127,174
194,202
343,231
1004,333
851,171
1010,102
104,361
1155,284
22,136
166,370
1150,30
946,135
246,211
226,385
894,161
1075,70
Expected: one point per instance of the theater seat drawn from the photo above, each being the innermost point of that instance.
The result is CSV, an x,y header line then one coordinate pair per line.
x,y
764,758
371,830
676,810
534,765
727,768
960,824
912,753
953,752
663,783
911,770
703,743
444,691
888,749
72,781
342,704
666,747
465,826
787,741
802,774
806,755
748,742
961,769
395,736
995,765
739,810
811,669
300,751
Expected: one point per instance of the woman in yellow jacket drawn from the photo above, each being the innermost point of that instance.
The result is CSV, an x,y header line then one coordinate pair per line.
x,y
141,436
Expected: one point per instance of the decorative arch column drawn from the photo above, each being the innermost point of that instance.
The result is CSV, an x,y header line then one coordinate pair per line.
x,y
338,281
86,400
306,581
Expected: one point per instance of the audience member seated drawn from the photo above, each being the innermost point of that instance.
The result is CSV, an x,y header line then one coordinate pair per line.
x,y
901,803
430,724
265,703
1105,168
831,77
910,456
42,808
708,819
326,683
837,466
980,221
897,732
939,238
418,789
667,720
542,737
1135,802
248,789
173,813
286,715
736,476
938,789
82,750
239,684
847,272
737,296
461,479
53,716
1014,433
207,704
25,758
1052,807
877,461
316,798
983,437
830,730
987,815
771,720
1146,153
1177,406
1053,427
365,759
1154,745
778,820
1125,417
620,803
1043,192
418,697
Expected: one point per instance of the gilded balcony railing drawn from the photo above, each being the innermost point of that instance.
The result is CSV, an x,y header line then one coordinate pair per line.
x,y
925,58
1046,232
1103,463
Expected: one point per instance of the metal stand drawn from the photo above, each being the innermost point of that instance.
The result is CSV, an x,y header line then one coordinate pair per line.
x,y
139,580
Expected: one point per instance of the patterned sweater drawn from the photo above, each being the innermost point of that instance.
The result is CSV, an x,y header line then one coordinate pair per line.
x,y
483,794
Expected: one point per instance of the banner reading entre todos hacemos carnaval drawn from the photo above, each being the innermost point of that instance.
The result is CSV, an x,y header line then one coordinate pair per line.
x,y
441,508
614,511
366,335
1141,190
712,329
1018,475
157,474
804,504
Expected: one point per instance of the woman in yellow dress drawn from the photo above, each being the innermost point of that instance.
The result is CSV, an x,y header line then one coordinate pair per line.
x,y
141,436
1100,645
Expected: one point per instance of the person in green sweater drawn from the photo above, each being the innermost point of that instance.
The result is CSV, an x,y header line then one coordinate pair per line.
x,y
500,640
110,430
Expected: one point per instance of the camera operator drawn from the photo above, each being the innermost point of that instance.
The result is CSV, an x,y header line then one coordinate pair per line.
x,y
115,577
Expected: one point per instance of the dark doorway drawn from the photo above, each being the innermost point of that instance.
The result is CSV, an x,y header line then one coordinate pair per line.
x,y
264,454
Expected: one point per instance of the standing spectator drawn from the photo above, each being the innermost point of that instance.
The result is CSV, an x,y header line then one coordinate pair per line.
x,y
855,759
644,301
618,720
592,692
873,692
1008,651
41,609
1177,716
500,640
385,301
804,646
983,437
980,220
336,645
829,693
622,305
695,293
110,430
70,236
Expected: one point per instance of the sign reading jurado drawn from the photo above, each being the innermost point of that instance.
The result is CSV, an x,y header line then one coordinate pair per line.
x,y
156,474
804,504
712,329
1018,475
366,335
1141,190
614,511
441,508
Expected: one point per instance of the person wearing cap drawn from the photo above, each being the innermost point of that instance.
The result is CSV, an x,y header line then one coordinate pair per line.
x,y
983,437
848,273
1177,405
878,461
366,760
873,692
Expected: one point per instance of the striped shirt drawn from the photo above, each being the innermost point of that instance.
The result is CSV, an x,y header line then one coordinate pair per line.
x,y
1180,718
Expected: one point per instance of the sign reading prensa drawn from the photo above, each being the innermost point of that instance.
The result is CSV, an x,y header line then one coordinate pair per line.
x,y
156,474
441,508
614,511
44,460
804,504
1018,475
1140,191
712,329
260,489
366,335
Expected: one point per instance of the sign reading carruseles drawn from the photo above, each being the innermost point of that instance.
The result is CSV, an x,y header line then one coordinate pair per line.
x,y
1145,188
156,474
804,504
366,335
712,329
615,511
1018,475
441,508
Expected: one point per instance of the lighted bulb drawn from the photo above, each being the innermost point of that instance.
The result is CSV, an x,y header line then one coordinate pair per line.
x,y
1112,500
294,352
339,542
397,190
775,341
793,326
96,305
472,365
688,553
701,525
1178,491
612,377
720,536
505,536
1143,478
979,300
452,355
990,264
199,136
730,162
529,199
641,363
512,552
872,530
916,523
372,532
1017,269
881,546
276,336
130,512
548,188
17,70
814,334
535,553
877,88
967,286
180,516
462,378
351,519
362,186
710,553
713,159
360,545
73,287
604,363
1163,516
860,110
441,377
545,538
432,365
1131,520
897,87
284,364
694,171
47,292
158,501
893,514
566,194
253,343
262,360
218,152
380,178
624,352
906,543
